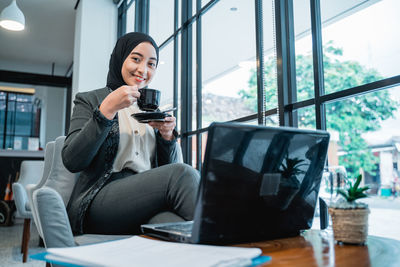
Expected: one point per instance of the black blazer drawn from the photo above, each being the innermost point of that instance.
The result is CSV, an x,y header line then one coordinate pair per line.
x,y
90,148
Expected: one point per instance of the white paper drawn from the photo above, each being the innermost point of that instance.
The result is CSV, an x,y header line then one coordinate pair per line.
x,y
33,143
17,143
139,251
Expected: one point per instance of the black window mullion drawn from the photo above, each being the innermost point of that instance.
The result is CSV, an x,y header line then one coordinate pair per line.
x,y
138,16
142,16
280,62
199,85
145,19
286,68
176,51
292,94
68,106
5,122
316,28
260,62
121,19
186,81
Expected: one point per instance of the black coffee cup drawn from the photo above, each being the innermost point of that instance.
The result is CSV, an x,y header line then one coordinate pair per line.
x,y
149,99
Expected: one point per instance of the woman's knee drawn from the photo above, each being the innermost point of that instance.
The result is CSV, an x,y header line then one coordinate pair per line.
x,y
186,174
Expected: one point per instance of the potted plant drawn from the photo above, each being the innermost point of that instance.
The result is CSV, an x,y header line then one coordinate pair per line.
x,y
350,218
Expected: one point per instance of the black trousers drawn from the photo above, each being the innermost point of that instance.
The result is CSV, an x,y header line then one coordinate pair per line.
x,y
163,194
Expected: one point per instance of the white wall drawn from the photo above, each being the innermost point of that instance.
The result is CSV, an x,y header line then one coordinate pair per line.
x,y
54,113
95,37
386,167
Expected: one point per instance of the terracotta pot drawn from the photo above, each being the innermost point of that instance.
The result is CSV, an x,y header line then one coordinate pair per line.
x,y
350,225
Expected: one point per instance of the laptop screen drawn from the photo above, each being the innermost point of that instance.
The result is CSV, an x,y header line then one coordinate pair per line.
x,y
258,182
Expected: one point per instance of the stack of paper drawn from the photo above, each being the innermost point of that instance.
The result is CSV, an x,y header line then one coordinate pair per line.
x,y
138,251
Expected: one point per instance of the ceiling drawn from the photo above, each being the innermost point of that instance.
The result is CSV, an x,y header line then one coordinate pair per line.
x,y
48,37
49,34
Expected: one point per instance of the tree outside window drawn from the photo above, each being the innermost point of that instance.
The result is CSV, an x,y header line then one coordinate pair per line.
x,y
350,118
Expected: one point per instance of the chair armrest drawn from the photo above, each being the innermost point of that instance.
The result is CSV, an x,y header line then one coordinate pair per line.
x,y
30,188
53,218
20,199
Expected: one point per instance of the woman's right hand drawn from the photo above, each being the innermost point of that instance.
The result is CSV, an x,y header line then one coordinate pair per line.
x,y
118,99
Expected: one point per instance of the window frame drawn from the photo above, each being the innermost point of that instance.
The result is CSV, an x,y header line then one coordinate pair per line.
x,y
6,125
286,67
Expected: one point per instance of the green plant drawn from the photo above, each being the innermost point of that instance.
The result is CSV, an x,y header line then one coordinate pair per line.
x,y
353,191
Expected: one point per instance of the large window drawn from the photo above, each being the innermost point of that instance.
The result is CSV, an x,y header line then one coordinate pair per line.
x,y
326,64
303,51
363,40
130,18
228,55
161,22
20,120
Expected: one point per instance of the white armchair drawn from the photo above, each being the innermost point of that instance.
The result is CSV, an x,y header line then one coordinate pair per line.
x,y
49,202
30,188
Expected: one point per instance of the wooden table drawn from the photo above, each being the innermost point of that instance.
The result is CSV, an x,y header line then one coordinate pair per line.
x,y
317,248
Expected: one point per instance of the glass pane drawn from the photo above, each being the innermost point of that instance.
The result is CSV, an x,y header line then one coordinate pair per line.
x,y
164,78
365,132
194,7
179,14
11,112
225,82
204,2
194,149
303,48
306,118
130,18
272,120
203,145
23,118
270,87
161,24
356,42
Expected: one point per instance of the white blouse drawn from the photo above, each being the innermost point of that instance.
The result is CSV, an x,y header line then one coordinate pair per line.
x,y
137,142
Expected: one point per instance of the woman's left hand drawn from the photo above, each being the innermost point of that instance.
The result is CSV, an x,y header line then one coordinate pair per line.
x,y
165,127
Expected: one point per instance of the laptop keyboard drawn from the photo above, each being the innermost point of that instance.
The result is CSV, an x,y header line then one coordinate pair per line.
x,y
185,227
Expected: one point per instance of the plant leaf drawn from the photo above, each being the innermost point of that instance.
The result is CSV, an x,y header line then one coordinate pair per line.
x,y
343,193
357,182
362,195
364,188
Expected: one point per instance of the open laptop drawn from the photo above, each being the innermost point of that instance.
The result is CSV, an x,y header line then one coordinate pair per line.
x,y
257,183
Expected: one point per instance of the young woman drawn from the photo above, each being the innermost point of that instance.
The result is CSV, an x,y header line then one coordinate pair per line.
x,y
130,172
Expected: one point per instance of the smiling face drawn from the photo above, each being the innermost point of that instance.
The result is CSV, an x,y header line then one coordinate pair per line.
x,y
140,66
